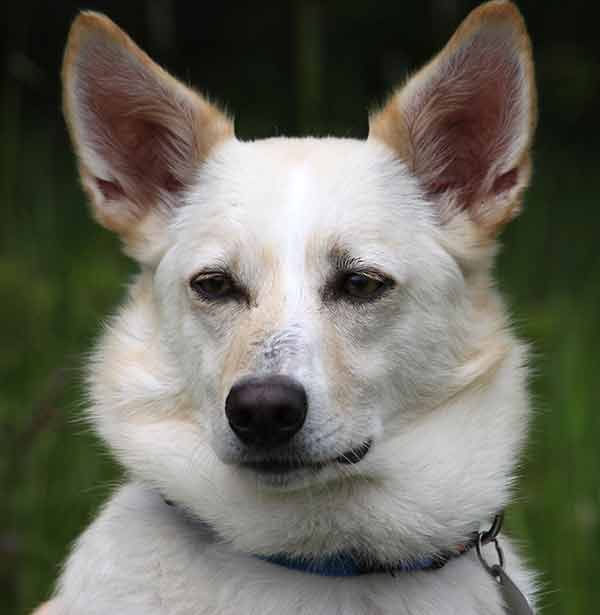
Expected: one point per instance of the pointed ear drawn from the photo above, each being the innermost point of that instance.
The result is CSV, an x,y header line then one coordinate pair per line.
x,y
139,134
464,123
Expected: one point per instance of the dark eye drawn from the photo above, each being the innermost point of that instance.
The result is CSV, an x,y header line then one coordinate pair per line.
x,y
362,286
213,285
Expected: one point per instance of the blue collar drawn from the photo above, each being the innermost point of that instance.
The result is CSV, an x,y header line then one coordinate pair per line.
x,y
346,564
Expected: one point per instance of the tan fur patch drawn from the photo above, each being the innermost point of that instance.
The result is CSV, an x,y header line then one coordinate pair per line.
x,y
255,326
45,609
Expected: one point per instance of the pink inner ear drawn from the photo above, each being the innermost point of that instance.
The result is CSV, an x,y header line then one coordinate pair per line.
x,y
111,191
465,120
131,125
506,181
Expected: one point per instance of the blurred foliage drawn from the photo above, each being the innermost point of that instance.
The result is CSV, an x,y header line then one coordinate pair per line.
x,y
286,68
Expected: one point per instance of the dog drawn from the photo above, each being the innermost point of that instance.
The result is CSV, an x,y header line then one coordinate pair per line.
x,y
313,383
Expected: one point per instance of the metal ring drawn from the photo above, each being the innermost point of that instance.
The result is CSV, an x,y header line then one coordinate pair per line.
x,y
492,533
490,569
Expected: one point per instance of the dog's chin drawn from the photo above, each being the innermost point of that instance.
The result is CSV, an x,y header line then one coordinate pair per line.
x,y
296,473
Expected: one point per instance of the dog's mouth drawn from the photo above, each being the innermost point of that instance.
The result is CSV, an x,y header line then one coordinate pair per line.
x,y
282,467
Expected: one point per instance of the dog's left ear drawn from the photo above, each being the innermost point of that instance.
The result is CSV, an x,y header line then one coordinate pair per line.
x,y
465,122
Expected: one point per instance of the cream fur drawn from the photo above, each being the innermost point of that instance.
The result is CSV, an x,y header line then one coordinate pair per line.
x,y
430,372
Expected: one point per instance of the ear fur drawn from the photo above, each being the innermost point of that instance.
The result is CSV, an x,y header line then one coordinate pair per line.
x,y
139,134
465,122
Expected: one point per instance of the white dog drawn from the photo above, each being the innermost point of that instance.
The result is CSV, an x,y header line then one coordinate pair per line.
x,y
313,383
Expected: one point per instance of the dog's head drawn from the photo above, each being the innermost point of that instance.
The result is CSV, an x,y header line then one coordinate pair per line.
x,y
313,356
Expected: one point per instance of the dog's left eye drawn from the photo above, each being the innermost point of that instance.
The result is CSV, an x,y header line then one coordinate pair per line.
x,y
213,285
362,286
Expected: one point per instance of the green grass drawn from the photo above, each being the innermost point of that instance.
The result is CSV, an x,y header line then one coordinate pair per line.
x,y
551,269
60,275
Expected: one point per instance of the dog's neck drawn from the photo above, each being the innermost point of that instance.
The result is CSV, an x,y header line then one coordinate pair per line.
x,y
347,564
352,564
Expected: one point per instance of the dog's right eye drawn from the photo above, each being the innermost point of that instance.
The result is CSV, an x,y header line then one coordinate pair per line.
x,y
358,286
213,285
361,286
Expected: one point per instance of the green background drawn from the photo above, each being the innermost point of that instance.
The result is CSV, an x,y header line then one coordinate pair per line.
x,y
287,68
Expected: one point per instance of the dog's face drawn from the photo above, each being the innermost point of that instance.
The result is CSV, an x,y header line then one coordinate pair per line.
x,y
310,311
317,262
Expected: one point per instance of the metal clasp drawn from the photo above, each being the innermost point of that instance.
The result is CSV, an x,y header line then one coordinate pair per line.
x,y
515,602
484,538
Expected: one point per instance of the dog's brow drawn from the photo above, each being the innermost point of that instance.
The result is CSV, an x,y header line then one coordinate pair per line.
x,y
342,258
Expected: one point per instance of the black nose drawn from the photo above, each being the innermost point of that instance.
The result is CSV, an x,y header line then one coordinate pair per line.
x,y
266,412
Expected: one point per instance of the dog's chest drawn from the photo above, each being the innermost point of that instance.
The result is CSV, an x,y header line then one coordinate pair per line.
x,y
141,557
241,589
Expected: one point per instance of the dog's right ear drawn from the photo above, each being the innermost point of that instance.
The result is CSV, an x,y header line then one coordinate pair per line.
x,y
140,135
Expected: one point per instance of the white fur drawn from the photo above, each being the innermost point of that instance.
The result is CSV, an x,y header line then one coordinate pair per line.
x,y
146,557
430,372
